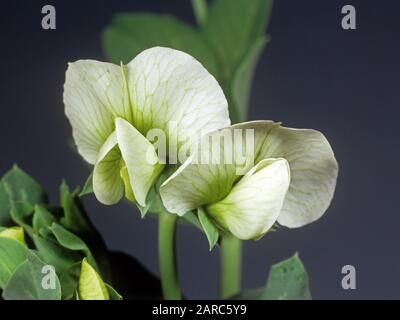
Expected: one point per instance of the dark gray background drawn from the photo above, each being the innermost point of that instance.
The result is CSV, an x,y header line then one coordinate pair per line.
x,y
313,74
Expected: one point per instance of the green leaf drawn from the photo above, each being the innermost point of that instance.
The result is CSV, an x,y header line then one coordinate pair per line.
x,y
232,30
21,213
42,220
72,242
129,34
209,228
243,77
91,286
69,282
12,254
73,210
53,253
88,187
288,280
232,27
17,186
66,263
113,294
27,281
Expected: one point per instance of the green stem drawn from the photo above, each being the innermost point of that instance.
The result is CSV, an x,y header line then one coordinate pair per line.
x,y
231,258
200,11
167,256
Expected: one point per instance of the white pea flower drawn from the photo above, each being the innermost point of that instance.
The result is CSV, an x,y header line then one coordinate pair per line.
x,y
288,176
111,109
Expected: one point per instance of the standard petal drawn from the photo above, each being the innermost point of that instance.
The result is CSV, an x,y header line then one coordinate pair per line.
x,y
94,94
255,202
140,158
170,88
313,168
108,186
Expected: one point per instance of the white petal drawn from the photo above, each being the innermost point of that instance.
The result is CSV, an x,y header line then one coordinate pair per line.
x,y
94,93
140,158
167,85
194,185
313,169
255,202
202,180
108,186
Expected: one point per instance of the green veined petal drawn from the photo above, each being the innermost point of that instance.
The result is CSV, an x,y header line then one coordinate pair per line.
x,y
209,174
107,183
140,158
255,202
313,171
128,188
194,185
94,94
169,87
313,168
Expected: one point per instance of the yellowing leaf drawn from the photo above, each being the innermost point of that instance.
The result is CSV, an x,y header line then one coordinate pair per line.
x,y
16,233
91,286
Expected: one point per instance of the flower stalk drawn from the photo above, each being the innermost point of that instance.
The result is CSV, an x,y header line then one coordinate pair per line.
x,y
231,263
167,256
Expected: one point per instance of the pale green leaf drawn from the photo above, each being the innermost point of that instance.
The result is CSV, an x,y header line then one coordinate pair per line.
x,y
91,286
16,233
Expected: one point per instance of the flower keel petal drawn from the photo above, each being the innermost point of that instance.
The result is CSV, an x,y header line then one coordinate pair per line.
x,y
107,183
255,202
140,158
